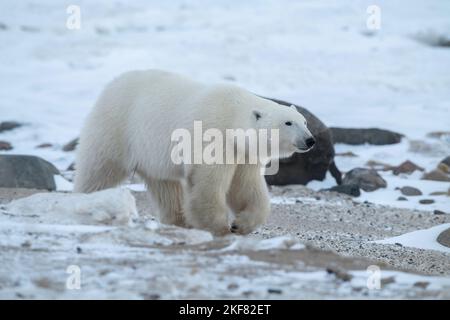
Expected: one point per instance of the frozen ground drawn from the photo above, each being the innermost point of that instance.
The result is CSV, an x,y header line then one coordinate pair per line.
x,y
318,54
137,258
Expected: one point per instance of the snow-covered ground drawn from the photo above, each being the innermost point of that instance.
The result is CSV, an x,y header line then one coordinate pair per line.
x,y
319,54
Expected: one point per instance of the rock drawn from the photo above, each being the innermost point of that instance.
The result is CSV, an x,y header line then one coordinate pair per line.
x,y
44,145
426,201
428,149
439,212
9,125
406,167
378,165
436,175
347,154
339,274
70,146
438,193
350,189
421,284
446,161
444,238
71,167
361,136
5,146
410,191
443,167
313,165
20,171
402,199
366,179
438,134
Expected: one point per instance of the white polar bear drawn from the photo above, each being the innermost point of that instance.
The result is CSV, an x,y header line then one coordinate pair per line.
x,y
129,130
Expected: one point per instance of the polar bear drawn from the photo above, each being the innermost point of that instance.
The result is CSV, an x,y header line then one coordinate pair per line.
x,y
129,130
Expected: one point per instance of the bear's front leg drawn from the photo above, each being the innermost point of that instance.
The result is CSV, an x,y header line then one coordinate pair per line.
x,y
249,199
205,197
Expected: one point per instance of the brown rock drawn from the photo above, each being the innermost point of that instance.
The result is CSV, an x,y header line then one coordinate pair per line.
x,y
378,165
436,175
5,146
438,193
406,167
444,238
70,146
44,145
443,167
346,154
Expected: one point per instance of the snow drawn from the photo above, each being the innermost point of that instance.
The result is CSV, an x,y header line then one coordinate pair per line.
x,y
283,242
422,239
115,206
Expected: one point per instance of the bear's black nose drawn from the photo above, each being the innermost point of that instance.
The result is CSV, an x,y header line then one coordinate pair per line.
x,y
310,142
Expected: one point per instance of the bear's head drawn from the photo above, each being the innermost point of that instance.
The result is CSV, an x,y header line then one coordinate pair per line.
x,y
294,135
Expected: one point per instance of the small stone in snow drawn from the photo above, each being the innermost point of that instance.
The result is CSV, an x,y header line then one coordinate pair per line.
x,y
439,212
410,191
421,284
402,199
274,291
5,146
426,201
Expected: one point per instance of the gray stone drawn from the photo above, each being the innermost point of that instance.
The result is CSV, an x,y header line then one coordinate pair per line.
x,y
70,146
9,125
313,165
21,171
350,189
446,161
410,191
444,238
426,201
366,179
373,136
402,199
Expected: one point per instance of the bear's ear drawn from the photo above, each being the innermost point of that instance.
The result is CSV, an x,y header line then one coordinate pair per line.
x,y
257,114
293,107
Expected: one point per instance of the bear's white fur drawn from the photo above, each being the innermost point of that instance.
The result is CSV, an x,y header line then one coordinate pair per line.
x,y
129,130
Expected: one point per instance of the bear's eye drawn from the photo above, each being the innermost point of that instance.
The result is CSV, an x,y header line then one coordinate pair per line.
x,y
288,123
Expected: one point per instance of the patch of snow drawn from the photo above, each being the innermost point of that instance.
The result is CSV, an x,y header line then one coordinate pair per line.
x,y
62,184
422,239
112,206
282,242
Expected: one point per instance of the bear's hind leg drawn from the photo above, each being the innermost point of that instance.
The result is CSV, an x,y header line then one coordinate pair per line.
x,y
168,195
248,198
205,197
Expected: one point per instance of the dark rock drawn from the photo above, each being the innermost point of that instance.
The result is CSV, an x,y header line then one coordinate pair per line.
x,y
402,199
444,168
421,284
9,125
346,154
44,145
20,171
366,179
71,167
387,280
274,291
313,165
361,136
446,161
406,167
5,146
339,274
438,212
444,238
350,189
410,191
436,175
426,201
70,146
